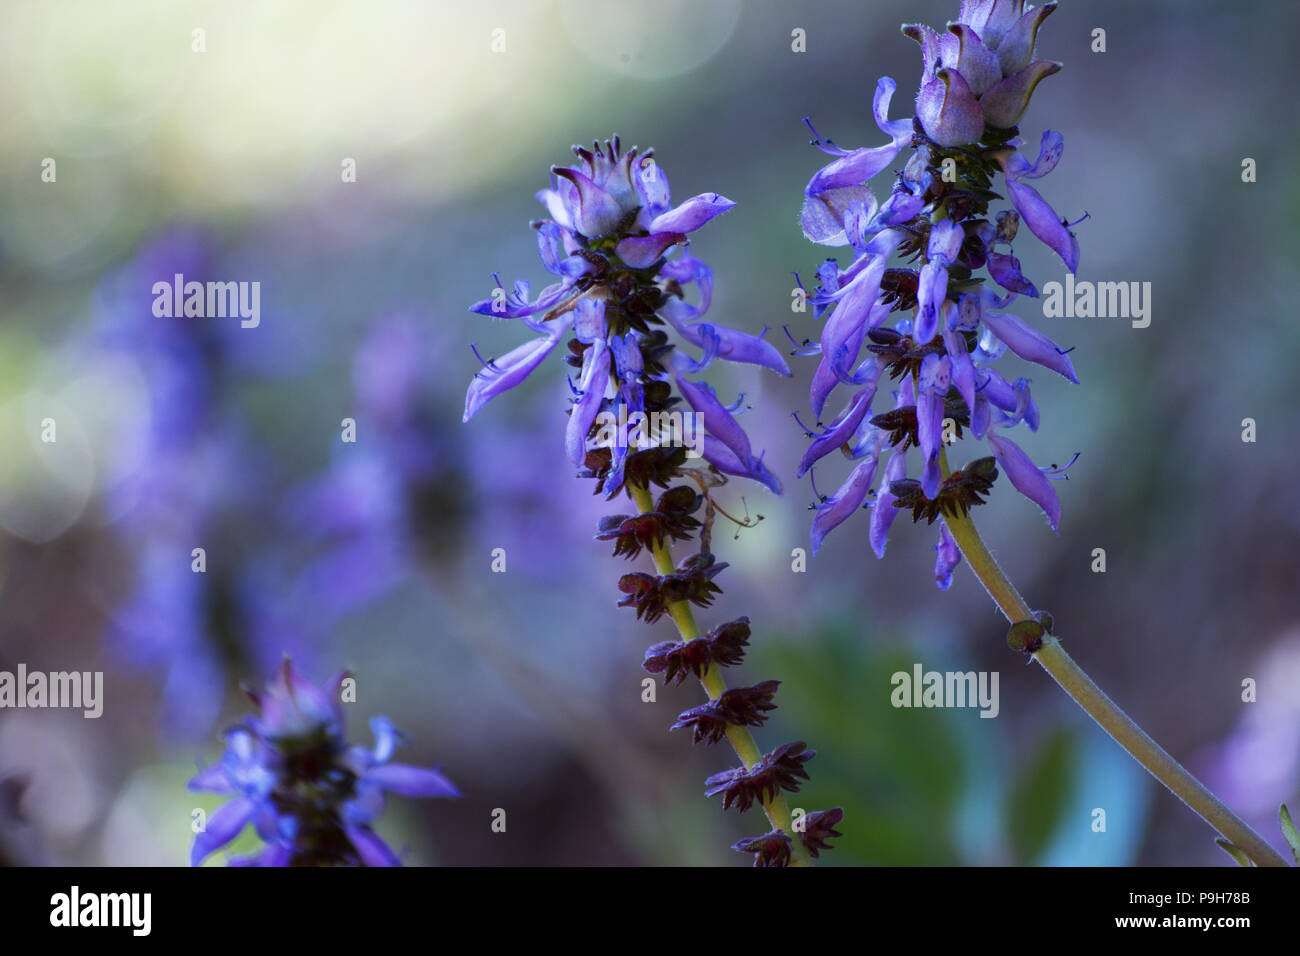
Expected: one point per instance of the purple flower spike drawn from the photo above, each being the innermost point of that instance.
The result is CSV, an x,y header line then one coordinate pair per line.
x,y
627,295
977,78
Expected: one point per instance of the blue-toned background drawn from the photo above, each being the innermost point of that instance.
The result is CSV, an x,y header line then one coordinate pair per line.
x,y
525,686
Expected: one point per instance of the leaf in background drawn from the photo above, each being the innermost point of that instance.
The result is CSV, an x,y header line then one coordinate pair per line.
x,y
899,774
1039,797
1234,851
1289,831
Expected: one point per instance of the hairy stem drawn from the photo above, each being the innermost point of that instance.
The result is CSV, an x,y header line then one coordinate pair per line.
x,y
1085,692
741,740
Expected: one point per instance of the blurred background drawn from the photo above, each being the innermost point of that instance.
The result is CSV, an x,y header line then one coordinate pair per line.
x,y
525,686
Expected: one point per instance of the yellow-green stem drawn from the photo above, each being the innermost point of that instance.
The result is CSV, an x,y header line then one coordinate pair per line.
x,y
1085,692
741,740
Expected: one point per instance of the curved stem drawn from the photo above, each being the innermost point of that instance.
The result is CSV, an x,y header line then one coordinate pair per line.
x,y
1085,692
741,740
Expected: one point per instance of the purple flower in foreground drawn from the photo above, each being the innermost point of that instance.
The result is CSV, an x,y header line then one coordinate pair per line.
x,y
639,404
976,83
616,297
311,798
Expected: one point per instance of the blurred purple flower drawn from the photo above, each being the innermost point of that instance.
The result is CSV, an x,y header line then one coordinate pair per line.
x,y
311,798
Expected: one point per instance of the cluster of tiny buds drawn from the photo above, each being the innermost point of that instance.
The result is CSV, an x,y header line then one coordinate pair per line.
x,y
692,580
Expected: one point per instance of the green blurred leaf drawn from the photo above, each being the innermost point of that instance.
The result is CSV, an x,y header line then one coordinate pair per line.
x,y
1040,795
899,774
1234,851
1289,831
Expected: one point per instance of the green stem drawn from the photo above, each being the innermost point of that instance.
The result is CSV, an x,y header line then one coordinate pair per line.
x,y
1085,692
741,740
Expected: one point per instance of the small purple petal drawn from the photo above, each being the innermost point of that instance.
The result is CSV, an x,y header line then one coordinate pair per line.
x,y
823,383
550,246
595,376
651,184
899,130
222,827
1017,47
883,511
1050,148
717,420
853,168
640,251
211,778
732,344
932,288
846,500
931,477
1043,223
597,213
822,218
947,557
691,214
963,370
372,850
840,431
991,18
509,370
517,306
589,320
387,738
1005,269
1005,103
948,110
1027,477
977,64
1030,344
411,781
725,460
853,308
